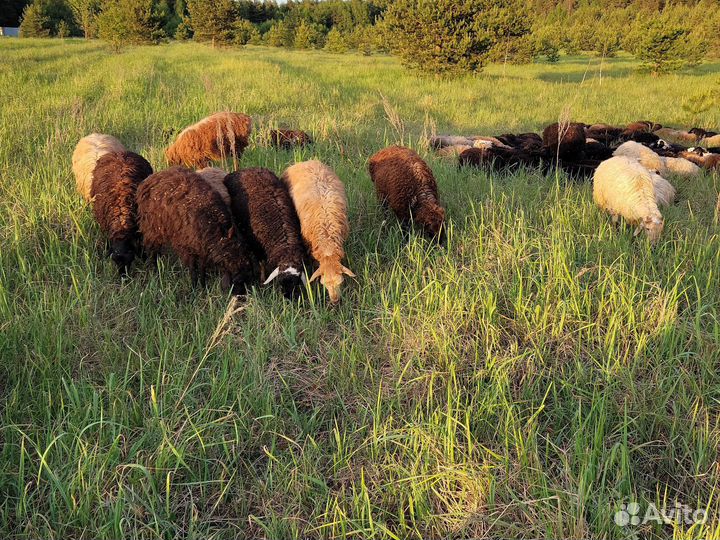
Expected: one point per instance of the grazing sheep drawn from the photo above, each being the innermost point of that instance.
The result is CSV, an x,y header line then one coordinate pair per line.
x,y
288,138
87,152
623,187
115,182
566,141
405,183
177,209
215,177
321,205
211,139
647,158
702,158
264,212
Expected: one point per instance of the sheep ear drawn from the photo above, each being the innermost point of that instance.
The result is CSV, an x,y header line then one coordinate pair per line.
x,y
347,271
272,275
315,275
303,278
638,230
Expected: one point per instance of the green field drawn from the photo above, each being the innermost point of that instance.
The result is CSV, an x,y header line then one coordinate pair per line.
x,y
525,381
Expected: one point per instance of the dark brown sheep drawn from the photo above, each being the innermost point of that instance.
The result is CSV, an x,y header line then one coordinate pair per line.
x,y
641,132
566,141
115,181
529,142
214,138
265,214
597,150
499,158
405,183
177,209
289,138
604,133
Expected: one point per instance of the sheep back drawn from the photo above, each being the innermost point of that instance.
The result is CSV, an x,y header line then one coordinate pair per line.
x,y
214,138
86,154
178,209
116,179
321,205
647,158
566,141
264,211
405,183
215,177
623,187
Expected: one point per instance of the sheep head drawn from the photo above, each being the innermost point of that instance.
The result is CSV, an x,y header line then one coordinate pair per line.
x,y
290,279
122,252
431,216
653,227
331,274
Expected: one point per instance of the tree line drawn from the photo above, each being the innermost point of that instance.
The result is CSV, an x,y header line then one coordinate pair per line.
x,y
445,37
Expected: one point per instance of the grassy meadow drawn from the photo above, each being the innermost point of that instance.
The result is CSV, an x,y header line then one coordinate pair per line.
x,y
524,381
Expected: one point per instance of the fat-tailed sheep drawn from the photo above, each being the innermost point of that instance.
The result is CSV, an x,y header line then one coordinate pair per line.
x,y
115,182
624,188
677,136
289,138
710,142
566,141
215,177
214,138
179,210
321,205
265,213
405,183
680,167
87,152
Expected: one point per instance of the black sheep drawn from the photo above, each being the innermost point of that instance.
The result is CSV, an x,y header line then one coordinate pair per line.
x,y
566,141
264,212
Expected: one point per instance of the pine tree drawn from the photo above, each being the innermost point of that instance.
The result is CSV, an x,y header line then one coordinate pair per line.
x,y
212,20
130,22
447,37
86,12
336,42
662,49
34,22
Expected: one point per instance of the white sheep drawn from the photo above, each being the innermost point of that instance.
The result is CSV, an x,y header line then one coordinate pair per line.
x,y
647,158
680,167
623,187
87,152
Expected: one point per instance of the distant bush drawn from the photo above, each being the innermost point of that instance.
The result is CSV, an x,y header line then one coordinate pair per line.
x,y
42,18
130,22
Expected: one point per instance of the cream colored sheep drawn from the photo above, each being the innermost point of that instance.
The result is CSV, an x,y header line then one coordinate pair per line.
x,y
711,142
623,187
676,136
452,151
215,177
88,150
647,158
321,204
680,167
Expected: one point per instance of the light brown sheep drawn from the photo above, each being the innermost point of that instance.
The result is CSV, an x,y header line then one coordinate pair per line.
x,y
214,138
216,177
319,198
87,152
624,188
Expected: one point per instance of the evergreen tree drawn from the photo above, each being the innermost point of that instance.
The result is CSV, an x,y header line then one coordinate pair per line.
x,y
662,48
336,42
212,20
34,22
308,36
86,12
448,37
130,21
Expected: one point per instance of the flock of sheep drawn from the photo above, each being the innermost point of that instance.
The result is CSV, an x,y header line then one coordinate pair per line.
x,y
245,222
250,222
629,165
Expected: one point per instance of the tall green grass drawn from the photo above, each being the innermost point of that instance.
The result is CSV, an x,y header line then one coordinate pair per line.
x,y
525,381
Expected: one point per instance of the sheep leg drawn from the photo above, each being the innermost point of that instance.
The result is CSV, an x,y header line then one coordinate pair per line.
x,y
194,271
615,218
203,274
